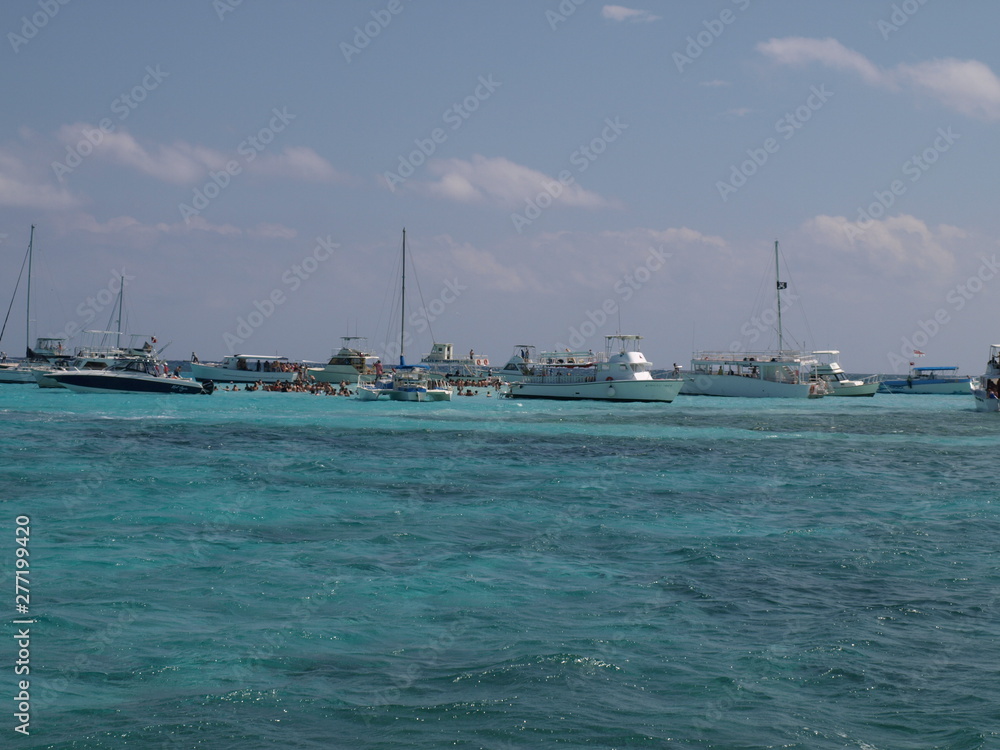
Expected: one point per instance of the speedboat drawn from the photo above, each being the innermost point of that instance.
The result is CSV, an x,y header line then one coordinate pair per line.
x,y
938,381
133,376
622,374
246,368
986,389
347,364
829,370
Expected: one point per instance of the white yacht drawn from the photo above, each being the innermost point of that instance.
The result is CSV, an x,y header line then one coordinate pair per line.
x,y
986,389
829,370
348,364
130,376
246,368
622,374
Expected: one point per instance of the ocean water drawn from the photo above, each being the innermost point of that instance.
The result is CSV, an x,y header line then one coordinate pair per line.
x,y
255,570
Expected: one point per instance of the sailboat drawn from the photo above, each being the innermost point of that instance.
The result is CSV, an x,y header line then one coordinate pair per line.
x,y
781,373
406,382
47,351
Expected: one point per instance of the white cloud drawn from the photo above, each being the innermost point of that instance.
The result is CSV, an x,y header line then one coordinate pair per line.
x,y
295,163
897,246
621,13
25,188
184,164
501,182
966,86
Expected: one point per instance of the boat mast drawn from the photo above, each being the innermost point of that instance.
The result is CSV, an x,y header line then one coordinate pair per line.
x,y
402,307
27,321
118,325
778,288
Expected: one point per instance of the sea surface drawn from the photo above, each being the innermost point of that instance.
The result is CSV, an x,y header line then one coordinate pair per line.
x,y
258,570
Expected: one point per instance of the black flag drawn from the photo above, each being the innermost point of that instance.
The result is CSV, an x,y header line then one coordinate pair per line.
x,y
782,285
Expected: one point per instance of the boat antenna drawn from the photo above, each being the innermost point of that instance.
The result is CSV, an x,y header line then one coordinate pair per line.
x,y
779,285
402,308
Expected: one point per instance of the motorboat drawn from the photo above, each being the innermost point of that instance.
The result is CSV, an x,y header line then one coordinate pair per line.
x,y
622,374
830,371
986,390
133,376
406,382
938,381
347,364
246,368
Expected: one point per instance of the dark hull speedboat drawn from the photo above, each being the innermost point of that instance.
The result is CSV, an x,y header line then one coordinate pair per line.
x,y
130,377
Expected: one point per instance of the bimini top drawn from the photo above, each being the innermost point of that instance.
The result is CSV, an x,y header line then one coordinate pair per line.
x,y
935,368
271,357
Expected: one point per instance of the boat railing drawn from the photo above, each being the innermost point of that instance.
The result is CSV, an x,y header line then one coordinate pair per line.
x,y
762,357
560,378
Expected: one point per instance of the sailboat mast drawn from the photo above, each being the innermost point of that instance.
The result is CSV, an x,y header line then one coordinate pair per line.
x,y
27,321
118,325
402,307
778,287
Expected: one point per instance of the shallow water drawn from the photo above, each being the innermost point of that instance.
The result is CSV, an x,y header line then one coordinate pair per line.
x,y
253,570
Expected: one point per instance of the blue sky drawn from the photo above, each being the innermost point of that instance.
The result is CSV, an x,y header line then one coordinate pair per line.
x,y
561,168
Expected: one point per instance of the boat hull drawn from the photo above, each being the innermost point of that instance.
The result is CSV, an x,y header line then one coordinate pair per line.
x,y
18,374
742,387
662,391
861,389
110,382
984,402
391,394
334,374
933,388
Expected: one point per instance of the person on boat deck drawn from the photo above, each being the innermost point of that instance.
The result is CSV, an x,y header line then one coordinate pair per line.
x,y
472,354
194,358
258,365
241,364
177,371
378,367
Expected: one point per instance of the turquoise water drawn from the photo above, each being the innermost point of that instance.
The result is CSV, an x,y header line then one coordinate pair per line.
x,y
253,570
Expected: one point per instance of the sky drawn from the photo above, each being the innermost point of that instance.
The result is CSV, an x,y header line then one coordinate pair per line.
x,y
564,170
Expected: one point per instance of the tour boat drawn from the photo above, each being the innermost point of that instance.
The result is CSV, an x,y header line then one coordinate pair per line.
x,y
525,363
245,368
780,373
623,374
442,359
939,381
